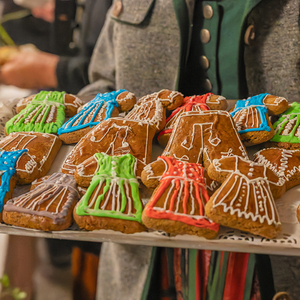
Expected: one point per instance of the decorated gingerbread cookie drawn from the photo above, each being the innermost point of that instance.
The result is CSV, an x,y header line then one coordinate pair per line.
x,y
287,129
112,200
177,204
245,199
71,102
48,207
132,134
202,136
7,175
102,107
41,151
252,117
190,104
285,163
45,113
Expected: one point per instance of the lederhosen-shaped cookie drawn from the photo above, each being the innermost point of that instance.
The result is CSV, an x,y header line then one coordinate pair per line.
x,y
132,134
252,119
190,104
287,129
177,204
200,137
48,207
45,113
102,107
112,200
7,175
245,199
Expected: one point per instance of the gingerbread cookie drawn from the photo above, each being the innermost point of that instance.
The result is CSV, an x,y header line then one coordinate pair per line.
x,y
41,151
48,207
71,102
287,129
102,107
245,199
45,113
132,134
202,136
285,163
252,117
112,200
190,104
7,175
177,204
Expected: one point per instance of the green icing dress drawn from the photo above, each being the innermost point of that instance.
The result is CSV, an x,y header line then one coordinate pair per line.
x,y
115,180
287,128
45,114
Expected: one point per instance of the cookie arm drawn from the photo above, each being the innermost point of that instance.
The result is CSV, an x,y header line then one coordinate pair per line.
x,y
72,104
152,173
126,101
85,171
275,105
277,185
23,103
219,169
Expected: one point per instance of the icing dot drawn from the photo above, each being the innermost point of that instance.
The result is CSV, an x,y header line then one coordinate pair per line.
x,y
93,139
250,174
191,174
175,173
251,169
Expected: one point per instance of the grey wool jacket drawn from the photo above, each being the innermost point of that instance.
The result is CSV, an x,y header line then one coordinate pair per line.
x,y
146,46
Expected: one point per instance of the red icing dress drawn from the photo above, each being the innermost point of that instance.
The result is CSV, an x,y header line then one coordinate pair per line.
x,y
183,187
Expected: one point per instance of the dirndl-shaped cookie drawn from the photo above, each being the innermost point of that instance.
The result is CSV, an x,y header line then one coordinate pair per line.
x,y
102,107
287,129
7,175
41,148
245,200
285,163
45,113
47,207
177,204
112,200
251,117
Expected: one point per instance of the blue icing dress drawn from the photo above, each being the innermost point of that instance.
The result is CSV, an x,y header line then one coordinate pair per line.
x,y
250,114
91,109
7,170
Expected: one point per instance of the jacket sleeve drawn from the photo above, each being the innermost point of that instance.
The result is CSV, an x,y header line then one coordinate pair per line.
x,y
102,65
72,73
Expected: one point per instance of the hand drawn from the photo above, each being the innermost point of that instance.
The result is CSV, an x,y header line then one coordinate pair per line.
x,y
30,70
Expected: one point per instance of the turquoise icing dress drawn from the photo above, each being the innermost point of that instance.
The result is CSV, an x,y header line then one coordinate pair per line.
x,y
7,170
87,116
246,114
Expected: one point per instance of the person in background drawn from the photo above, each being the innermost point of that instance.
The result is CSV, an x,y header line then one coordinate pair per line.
x,y
44,70
194,47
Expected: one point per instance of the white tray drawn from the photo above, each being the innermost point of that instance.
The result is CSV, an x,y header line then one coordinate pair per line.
x,y
288,242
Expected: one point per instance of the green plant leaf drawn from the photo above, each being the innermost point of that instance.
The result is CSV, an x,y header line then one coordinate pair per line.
x,y
4,280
